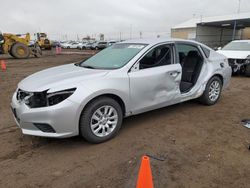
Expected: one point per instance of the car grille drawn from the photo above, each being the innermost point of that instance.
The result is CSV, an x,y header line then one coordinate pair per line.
x,y
234,61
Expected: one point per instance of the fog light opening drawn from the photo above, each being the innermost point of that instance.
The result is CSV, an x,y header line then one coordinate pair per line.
x,y
45,127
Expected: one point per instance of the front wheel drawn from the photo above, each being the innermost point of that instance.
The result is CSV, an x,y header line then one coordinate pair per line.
x,y
212,92
101,120
20,51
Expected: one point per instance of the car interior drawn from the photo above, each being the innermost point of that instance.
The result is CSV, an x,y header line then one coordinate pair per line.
x,y
190,60
159,56
191,63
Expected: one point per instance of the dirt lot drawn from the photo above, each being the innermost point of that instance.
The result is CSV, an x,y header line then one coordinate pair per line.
x,y
204,146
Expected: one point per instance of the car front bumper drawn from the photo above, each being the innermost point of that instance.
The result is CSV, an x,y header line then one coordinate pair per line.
x,y
61,119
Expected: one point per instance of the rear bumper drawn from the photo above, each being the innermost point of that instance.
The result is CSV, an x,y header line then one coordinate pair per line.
x,y
61,117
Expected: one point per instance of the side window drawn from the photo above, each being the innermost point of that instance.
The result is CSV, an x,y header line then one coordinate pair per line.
x,y
187,53
159,56
206,51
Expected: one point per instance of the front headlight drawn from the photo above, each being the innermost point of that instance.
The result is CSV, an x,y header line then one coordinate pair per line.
x,y
43,99
57,97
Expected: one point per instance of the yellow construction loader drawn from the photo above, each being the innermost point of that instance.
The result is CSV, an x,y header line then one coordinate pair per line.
x,y
18,46
43,41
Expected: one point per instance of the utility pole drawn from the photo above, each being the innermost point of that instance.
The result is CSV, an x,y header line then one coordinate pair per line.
x,y
140,34
235,22
201,18
130,31
238,10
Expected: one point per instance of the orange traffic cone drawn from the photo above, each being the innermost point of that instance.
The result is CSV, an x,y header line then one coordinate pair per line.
x,y
3,65
60,49
57,50
145,179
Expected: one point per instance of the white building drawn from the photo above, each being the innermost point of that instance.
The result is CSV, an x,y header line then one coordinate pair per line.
x,y
214,31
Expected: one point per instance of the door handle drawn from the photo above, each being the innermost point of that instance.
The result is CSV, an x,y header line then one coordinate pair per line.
x,y
175,73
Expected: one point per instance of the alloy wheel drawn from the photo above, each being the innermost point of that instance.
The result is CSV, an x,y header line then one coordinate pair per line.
x,y
214,90
103,121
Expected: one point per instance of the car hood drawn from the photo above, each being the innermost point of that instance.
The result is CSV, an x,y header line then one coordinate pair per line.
x,y
234,54
65,75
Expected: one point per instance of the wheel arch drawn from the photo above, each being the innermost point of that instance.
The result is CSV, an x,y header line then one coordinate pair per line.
x,y
110,95
220,77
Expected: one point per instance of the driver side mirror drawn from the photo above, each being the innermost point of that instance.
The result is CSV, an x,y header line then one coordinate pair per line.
x,y
135,67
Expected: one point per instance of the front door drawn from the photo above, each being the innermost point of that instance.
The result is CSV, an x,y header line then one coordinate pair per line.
x,y
155,80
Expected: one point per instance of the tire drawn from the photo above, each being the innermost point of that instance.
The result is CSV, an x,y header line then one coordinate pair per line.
x,y
247,70
88,118
96,48
209,98
20,51
38,52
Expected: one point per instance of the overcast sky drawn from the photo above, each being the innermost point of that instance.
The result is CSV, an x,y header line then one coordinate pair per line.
x,y
59,18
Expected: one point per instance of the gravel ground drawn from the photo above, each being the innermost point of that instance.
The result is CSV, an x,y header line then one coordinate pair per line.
x,y
204,146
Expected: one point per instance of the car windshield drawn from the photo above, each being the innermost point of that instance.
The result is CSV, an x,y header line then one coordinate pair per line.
x,y
238,46
113,57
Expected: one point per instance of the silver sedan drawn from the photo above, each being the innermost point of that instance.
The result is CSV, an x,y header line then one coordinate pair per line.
x,y
92,97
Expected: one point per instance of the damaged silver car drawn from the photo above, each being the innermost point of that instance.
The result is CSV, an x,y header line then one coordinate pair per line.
x,y
92,97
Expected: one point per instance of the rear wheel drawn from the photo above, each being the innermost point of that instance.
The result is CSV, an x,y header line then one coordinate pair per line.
x,y
247,70
20,51
212,92
101,120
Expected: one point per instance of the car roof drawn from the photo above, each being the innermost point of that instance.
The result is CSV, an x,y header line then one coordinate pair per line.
x,y
153,41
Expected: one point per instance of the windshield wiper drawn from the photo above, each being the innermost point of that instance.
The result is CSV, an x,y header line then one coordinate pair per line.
x,y
84,66
88,67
